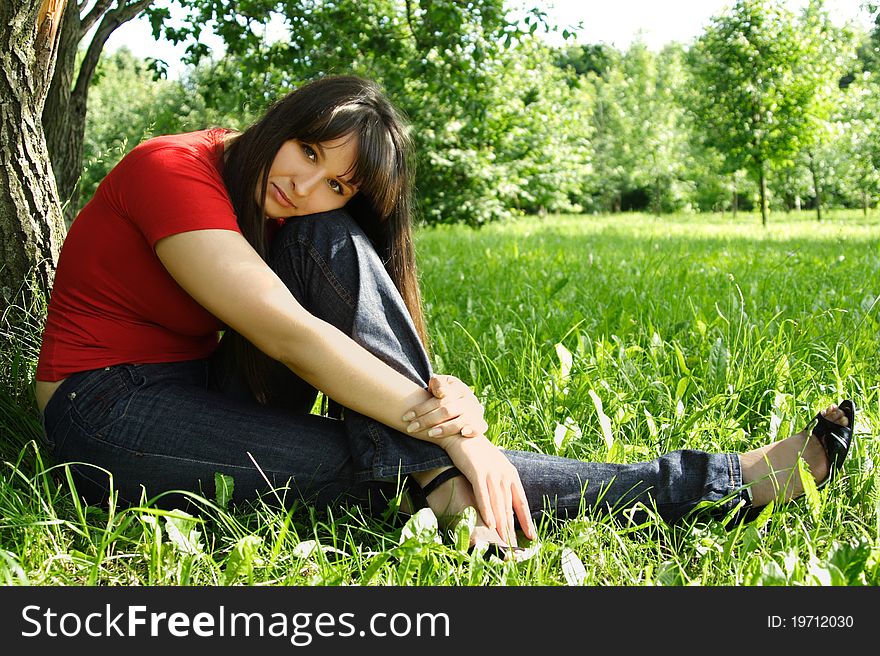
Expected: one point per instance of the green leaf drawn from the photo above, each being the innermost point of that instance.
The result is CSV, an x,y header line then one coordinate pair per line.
x,y
772,574
682,388
825,573
464,528
751,539
181,529
652,426
851,559
679,356
421,528
604,420
565,432
11,571
224,485
558,286
375,566
764,516
811,492
242,558
565,361
719,358
616,454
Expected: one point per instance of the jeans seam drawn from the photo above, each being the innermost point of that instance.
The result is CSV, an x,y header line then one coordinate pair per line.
x,y
734,470
225,465
127,390
328,272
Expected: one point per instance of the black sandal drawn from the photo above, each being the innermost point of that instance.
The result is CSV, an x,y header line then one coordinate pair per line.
x,y
835,439
419,495
440,479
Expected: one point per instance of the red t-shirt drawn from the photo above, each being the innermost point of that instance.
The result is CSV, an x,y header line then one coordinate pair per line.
x,y
113,302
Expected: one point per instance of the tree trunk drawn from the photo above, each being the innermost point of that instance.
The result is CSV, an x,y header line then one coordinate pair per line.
x,y
735,196
31,224
763,180
816,185
64,115
864,203
657,196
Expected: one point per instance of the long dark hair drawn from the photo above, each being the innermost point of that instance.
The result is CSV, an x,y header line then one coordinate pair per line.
x,y
322,110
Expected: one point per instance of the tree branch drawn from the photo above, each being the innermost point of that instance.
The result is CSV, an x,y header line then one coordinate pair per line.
x,y
112,20
412,29
94,14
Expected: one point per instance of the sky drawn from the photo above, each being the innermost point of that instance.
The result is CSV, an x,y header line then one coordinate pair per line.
x,y
657,22
614,22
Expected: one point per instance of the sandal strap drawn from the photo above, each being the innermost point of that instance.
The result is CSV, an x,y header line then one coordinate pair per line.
x,y
440,479
835,439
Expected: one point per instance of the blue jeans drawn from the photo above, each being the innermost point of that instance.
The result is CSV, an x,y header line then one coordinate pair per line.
x,y
154,429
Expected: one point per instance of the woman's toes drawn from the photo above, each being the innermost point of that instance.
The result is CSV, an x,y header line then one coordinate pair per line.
x,y
835,414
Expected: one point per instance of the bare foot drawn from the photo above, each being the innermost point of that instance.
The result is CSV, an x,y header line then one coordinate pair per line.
x,y
771,471
450,499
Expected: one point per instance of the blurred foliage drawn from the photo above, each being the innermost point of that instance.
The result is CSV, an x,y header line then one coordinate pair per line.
x,y
505,124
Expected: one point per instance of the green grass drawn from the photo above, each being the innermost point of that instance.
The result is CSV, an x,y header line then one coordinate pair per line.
x,y
680,332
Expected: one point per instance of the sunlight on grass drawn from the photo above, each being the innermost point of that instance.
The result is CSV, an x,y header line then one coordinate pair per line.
x,y
613,338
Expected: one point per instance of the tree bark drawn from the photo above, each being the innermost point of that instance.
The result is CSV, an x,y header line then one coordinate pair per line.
x,y
31,224
64,115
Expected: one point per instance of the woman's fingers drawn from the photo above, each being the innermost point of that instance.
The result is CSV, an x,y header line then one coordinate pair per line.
x,y
484,502
509,536
498,491
500,510
443,394
437,387
521,508
441,414
459,425
453,414
454,410
441,386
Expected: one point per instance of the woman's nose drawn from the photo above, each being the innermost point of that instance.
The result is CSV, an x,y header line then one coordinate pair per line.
x,y
304,185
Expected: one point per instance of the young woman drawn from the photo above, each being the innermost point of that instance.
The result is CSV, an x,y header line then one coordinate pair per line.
x,y
294,239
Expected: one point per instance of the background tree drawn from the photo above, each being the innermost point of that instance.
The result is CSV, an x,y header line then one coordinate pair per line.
x,y
31,224
64,113
859,146
829,56
446,64
749,94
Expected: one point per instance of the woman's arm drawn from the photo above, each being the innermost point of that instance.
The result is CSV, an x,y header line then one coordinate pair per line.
x,y
223,273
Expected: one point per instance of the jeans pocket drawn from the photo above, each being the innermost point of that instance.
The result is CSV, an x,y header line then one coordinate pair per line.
x,y
101,399
54,432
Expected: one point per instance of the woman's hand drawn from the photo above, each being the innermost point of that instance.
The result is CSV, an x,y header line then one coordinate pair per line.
x,y
497,488
454,410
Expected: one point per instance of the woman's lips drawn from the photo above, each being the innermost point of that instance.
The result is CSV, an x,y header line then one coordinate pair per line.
x,y
281,197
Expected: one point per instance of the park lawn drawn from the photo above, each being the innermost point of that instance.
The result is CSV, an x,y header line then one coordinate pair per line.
x,y
613,338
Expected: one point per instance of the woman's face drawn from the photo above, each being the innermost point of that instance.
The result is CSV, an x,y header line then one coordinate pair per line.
x,y
310,178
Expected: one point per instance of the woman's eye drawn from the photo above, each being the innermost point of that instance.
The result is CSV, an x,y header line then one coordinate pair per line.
x,y
335,186
310,152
